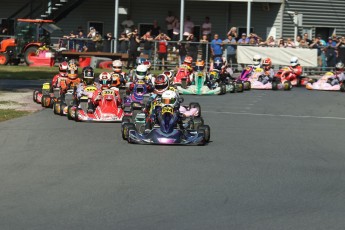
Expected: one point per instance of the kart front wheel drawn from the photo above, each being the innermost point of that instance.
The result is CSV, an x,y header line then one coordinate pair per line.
x,y
43,101
247,85
287,85
342,87
222,89
69,113
125,130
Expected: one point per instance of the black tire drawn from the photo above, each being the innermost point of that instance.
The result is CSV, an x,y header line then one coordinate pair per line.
x,y
4,58
287,85
233,90
125,130
222,89
54,108
274,85
34,95
342,87
207,131
239,87
62,107
28,53
184,83
197,106
202,132
43,101
247,85
76,112
69,113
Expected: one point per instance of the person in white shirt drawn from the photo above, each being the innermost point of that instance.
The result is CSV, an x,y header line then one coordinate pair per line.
x,y
127,24
206,28
188,27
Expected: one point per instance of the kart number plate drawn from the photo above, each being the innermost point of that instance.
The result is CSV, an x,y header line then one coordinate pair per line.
x,y
46,86
329,74
167,109
90,89
107,92
259,70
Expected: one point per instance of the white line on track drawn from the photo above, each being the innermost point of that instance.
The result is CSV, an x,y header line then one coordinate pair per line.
x,y
276,115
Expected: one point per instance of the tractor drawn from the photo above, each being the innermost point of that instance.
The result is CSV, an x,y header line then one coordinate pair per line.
x,y
30,35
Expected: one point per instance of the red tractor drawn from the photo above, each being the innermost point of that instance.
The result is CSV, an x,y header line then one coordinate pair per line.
x,y
30,34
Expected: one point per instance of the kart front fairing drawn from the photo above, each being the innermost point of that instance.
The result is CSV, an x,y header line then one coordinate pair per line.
x,y
323,84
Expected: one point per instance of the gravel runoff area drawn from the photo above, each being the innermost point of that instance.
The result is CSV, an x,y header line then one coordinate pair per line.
x,y
18,100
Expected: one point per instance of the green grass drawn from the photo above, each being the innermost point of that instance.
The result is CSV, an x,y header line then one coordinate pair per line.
x,y
9,103
7,114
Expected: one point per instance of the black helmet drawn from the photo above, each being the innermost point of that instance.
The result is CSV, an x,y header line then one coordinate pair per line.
x,y
88,75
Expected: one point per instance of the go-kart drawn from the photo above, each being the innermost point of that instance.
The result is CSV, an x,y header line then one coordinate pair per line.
x,y
60,106
182,76
324,84
167,131
287,74
135,100
46,96
256,82
214,80
108,109
244,77
81,103
199,87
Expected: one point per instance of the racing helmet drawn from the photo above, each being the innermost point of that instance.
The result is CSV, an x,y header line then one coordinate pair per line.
x,y
339,67
267,63
117,66
217,63
169,98
294,61
257,60
141,72
72,70
161,84
105,80
199,65
170,75
148,64
188,60
88,75
63,68
141,60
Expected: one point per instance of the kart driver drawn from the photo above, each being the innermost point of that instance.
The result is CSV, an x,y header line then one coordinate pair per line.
x,y
88,79
339,75
61,76
295,67
268,71
118,76
141,75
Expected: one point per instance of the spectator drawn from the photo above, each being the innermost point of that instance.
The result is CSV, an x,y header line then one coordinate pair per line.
x,y
148,41
176,31
206,28
98,40
90,44
270,41
341,49
127,24
290,43
134,43
306,39
205,47
81,42
169,22
303,44
123,43
252,41
71,41
230,50
233,33
331,56
322,42
316,44
216,47
107,42
162,48
188,27
192,46
182,51
281,43
156,29
243,39
331,42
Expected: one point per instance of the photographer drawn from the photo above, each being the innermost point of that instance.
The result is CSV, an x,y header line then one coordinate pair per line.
x,y
162,48
133,53
316,44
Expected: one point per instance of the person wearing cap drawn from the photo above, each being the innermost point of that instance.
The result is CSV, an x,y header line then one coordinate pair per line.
x,y
243,39
331,42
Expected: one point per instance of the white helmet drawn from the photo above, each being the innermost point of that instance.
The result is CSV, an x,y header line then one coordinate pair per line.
x,y
294,61
170,98
141,72
257,60
117,66
105,80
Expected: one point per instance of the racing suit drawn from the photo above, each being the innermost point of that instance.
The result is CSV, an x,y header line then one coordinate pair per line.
x,y
296,70
267,76
336,79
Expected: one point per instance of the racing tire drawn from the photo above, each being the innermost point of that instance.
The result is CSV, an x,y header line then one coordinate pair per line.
x,y
197,106
287,85
47,101
125,130
222,89
4,58
76,113
30,52
342,87
247,85
69,112
233,89
34,95
239,87
184,83
54,108
62,107
202,132
43,101
274,85
207,131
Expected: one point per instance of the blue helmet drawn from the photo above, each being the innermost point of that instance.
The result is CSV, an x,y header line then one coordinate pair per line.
x,y
218,63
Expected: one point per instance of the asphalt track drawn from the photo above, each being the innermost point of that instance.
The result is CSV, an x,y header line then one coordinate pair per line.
x,y
276,161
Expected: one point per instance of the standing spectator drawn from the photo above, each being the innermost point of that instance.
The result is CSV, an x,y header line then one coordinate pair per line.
x,y
243,39
127,24
188,27
80,42
270,41
156,29
303,44
216,46
123,43
281,43
90,44
176,31
331,42
182,51
205,47
134,43
169,22
162,48
233,32
98,40
322,42
71,41
230,49
107,42
331,56
317,45
298,40
341,49
306,39
206,28
290,43
148,41
192,46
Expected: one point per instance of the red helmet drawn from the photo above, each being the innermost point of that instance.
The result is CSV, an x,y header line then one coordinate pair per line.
x,y
63,68
267,63
188,60
105,80
161,84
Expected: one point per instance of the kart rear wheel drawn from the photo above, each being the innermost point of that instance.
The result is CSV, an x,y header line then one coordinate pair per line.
x,y
222,89
69,112
239,87
247,85
287,85
202,132
76,113
62,107
197,106
342,87
4,58
274,85
233,88
207,131
47,101
43,101
34,95
55,108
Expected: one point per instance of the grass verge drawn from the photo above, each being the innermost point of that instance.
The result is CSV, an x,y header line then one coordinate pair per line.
x,y
7,114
